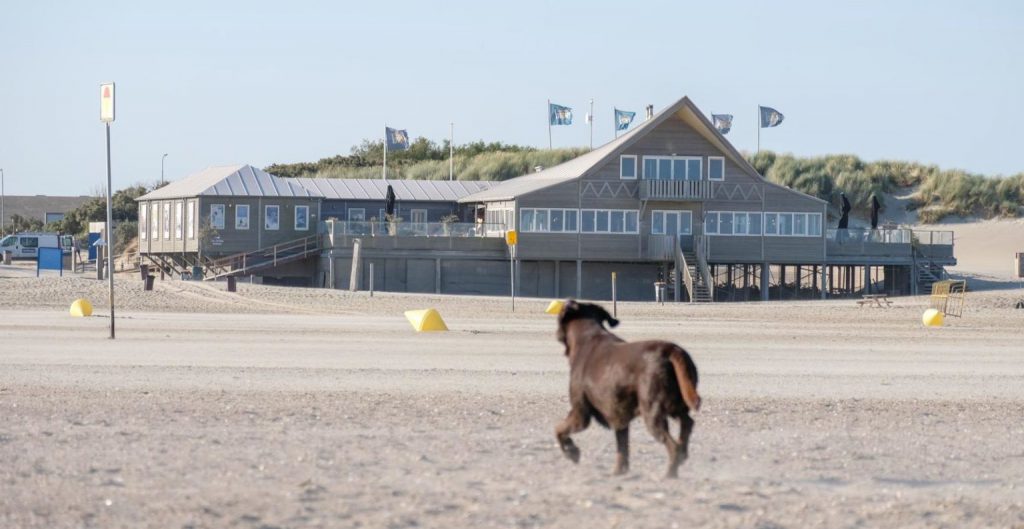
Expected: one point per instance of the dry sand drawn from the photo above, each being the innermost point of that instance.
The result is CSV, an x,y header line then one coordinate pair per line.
x,y
278,407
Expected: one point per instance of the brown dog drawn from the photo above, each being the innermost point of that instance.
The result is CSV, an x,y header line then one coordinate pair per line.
x,y
613,381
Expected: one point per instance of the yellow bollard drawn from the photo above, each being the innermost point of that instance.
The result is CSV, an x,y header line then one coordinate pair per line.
x,y
81,308
555,307
932,318
425,320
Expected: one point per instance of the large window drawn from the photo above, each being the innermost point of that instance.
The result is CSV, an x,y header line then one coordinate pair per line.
x,y
672,167
191,224
357,214
154,222
179,220
217,216
671,223
792,224
143,225
627,167
272,217
548,220
167,221
610,221
302,218
732,223
242,217
716,168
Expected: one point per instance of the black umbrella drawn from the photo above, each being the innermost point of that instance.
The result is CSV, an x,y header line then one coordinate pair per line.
x,y
844,221
875,206
389,202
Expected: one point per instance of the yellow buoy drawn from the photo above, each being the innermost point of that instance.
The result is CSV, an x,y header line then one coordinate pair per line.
x,y
555,307
932,318
425,320
81,308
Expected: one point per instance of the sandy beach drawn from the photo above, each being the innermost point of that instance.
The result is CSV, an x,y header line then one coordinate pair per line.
x,y
289,407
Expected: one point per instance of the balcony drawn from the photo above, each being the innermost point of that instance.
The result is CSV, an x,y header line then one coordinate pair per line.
x,y
675,190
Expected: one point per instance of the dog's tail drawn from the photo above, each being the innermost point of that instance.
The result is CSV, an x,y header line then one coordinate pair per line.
x,y
686,374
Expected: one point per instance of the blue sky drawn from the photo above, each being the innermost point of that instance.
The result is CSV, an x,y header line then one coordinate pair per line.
x,y
258,82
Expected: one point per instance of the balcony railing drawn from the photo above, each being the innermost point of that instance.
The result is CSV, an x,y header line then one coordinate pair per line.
x,y
413,229
675,189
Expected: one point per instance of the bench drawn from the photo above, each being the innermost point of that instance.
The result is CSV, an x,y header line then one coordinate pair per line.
x,y
875,300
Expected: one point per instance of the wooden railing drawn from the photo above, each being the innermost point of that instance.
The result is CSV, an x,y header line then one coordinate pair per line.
x,y
675,189
687,278
280,253
659,247
701,245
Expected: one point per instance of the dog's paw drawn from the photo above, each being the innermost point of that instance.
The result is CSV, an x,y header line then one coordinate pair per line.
x,y
572,453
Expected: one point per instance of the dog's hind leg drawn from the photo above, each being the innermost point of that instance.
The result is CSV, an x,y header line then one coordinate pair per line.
x,y
576,421
657,424
685,429
622,459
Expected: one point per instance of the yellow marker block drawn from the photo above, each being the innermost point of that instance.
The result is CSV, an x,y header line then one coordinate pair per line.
x,y
932,318
555,307
425,320
81,308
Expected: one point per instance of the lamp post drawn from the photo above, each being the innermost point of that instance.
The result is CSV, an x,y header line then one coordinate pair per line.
x,y
162,158
3,197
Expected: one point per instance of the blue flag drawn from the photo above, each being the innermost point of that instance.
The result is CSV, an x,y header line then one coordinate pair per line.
x,y
397,139
559,115
722,122
770,117
623,119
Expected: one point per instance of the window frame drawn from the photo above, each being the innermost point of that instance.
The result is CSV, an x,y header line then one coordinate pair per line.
x,y
747,215
305,216
277,217
607,214
350,211
664,225
248,217
719,158
636,167
179,220
223,216
808,232
143,221
533,227
166,226
190,220
657,159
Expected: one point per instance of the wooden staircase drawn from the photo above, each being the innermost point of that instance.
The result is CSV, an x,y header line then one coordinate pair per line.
x,y
926,272
249,262
695,274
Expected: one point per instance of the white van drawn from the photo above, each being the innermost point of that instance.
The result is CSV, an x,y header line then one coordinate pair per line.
x,y
27,245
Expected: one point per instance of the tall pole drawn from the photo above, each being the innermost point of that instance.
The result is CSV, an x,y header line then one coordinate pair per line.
x,y
3,197
758,129
549,123
591,123
110,239
384,175
451,152
162,158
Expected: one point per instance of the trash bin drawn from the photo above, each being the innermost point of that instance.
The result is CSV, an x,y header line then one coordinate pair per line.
x,y
197,273
7,257
231,284
149,282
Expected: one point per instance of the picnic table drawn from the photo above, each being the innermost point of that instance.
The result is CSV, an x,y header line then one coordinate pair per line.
x,y
875,300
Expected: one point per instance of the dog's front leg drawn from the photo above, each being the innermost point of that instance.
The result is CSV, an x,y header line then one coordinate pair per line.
x,y
574,422
622,458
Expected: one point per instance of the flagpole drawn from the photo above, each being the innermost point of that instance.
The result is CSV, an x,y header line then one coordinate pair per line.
x,y
549,124
384,175
758,129
615,121
591,123
451,152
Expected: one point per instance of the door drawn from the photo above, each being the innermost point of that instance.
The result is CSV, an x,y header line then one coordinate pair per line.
x,y
678,223
419,221
28,246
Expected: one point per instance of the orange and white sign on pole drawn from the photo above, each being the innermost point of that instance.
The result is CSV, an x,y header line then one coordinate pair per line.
x,y
107,102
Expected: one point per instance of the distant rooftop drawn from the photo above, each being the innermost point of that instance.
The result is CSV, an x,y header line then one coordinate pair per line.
x,y
374,189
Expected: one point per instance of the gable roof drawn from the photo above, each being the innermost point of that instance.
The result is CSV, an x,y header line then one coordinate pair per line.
x,y
585,164
374,189
231,180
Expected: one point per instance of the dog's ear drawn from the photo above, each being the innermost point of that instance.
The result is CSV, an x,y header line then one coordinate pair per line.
x,y
570,310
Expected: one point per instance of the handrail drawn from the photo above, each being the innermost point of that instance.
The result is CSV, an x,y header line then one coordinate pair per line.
x,y
687,278
263,256
701,243
698,189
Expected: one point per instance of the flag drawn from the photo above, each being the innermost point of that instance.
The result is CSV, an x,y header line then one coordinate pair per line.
x,y
397,140
723,122
770,117
559,115
623,119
